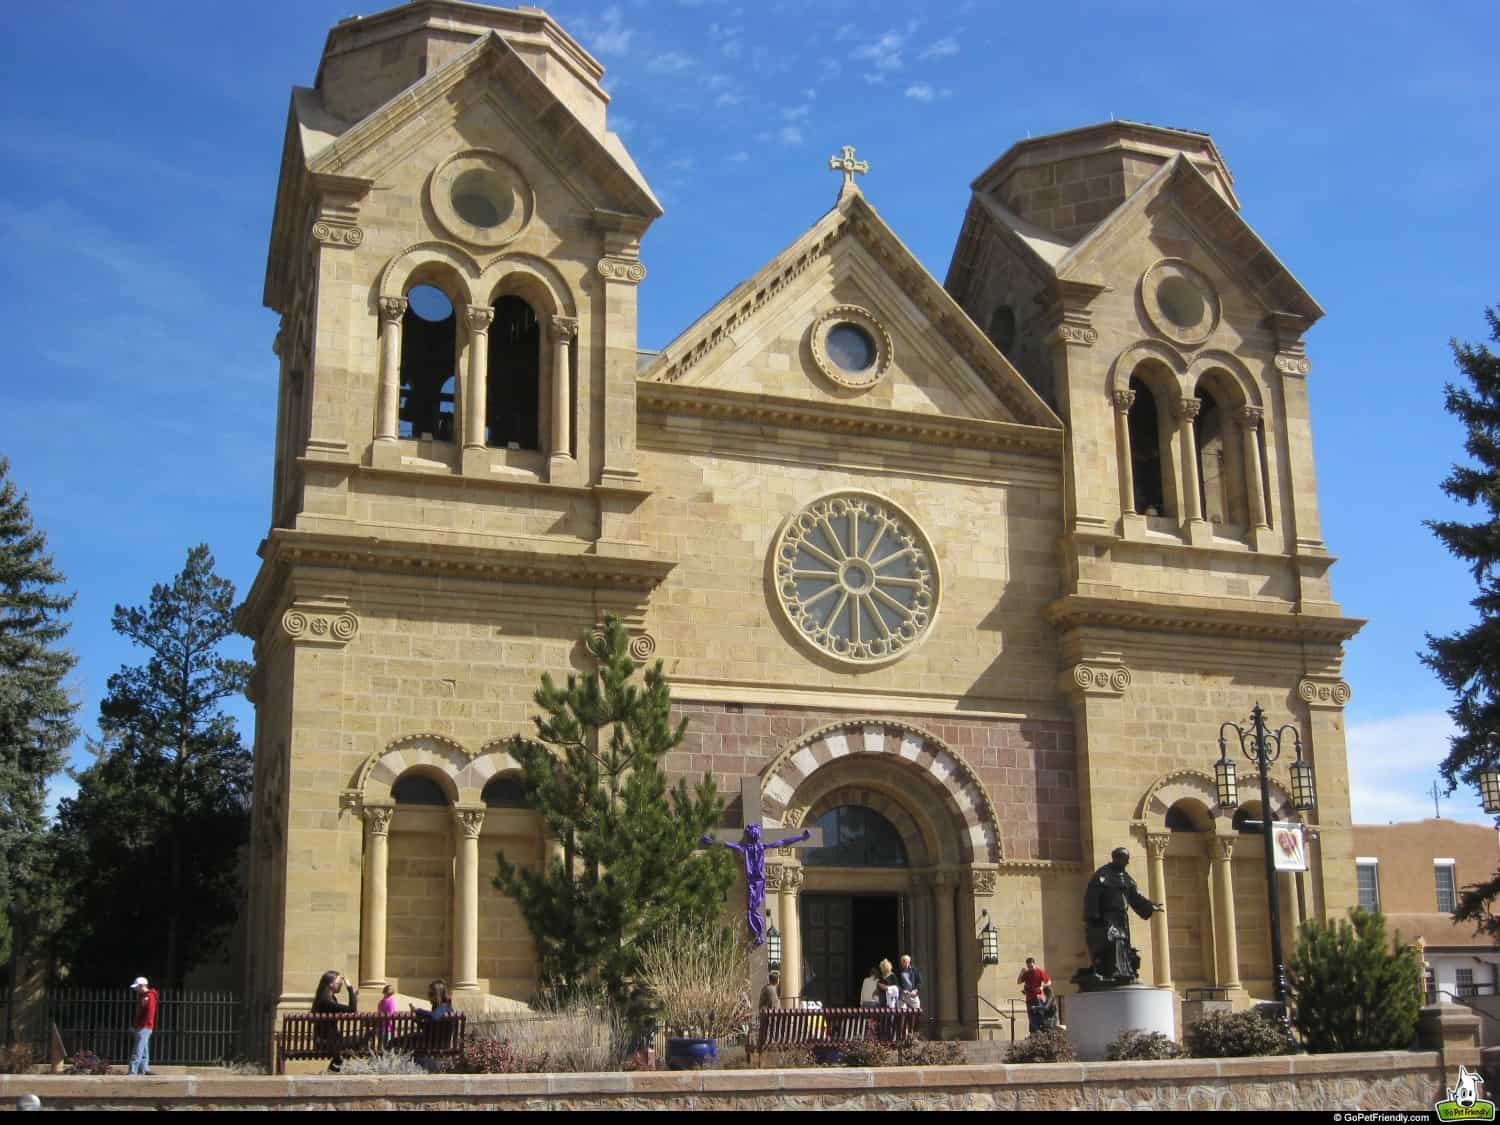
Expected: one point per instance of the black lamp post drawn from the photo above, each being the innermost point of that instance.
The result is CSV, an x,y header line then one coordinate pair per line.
x,y
989,941
773,945
1263,747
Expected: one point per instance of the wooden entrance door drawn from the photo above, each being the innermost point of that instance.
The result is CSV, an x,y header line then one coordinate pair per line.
x,y
842,936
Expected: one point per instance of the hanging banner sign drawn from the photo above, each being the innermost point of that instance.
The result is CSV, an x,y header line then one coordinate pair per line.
x,y
1288,846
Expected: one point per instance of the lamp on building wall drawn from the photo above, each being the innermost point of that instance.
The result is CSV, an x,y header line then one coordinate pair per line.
x,y
1489,790
773,944
989,941
1263,747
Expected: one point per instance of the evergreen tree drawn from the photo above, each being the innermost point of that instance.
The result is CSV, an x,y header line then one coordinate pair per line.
x,y
150,844
630,860
1352,989
1468,662
36,713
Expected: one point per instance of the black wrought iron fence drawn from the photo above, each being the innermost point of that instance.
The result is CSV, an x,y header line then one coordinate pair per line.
x,y
193,1028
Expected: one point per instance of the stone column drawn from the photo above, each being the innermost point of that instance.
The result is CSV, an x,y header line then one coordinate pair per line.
x,y
1226,941
388,408
470,822
476,389
943,884
1187,444
1291,912
1156,883
372,914
1249,418
564,328
791,936
1123,401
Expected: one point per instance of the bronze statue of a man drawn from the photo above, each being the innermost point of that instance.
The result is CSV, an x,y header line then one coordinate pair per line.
x,y
1107,923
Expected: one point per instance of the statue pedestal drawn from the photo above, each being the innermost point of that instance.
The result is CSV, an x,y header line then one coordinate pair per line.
x,y
1096,1019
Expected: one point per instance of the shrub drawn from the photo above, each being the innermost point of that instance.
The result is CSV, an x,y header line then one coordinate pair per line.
x,y
1234,1035
16,1059
242,1067
928,1052
386,1062
578,1034
1047,1045
1136,1044
698,978
87,1062
870,1052
1352,988
791,1058
484,1055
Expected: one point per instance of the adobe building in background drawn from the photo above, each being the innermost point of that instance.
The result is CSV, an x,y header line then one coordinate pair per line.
x,y
967,572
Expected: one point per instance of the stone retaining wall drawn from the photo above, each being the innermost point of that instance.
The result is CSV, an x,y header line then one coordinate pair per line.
x,y
1378,1081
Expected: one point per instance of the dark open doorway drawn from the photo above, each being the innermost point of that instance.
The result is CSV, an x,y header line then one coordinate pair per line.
x,y
842,936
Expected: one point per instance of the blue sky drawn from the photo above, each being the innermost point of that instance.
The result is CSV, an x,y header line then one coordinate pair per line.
x,y
142,143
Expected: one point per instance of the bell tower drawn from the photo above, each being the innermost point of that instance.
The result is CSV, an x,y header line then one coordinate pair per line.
x,y
454,256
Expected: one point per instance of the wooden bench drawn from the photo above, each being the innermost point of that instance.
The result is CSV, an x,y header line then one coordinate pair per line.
x,y
309,1035
836,1028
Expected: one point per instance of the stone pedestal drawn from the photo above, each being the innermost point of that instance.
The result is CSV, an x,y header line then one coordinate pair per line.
x,y
1096,1019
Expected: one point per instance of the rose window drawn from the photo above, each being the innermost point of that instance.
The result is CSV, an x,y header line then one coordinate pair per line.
x,y
856,577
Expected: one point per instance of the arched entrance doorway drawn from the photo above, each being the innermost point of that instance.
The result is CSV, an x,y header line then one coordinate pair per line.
x,y
910,847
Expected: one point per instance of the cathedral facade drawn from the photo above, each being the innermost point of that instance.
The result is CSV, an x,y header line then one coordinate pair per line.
x,y
967,573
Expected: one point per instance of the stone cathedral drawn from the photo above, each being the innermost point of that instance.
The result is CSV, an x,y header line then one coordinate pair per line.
x,y
966,572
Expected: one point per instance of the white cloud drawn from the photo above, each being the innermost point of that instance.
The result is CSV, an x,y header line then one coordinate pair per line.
x,y
789,135
920,91
884,53
613,37
669,63
1392,765
725,100
796,113
941,49
846,31
739,157
718,81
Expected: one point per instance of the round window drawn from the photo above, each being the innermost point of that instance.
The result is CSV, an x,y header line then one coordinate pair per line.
x,y
1180,301
479,198
851,347
856,578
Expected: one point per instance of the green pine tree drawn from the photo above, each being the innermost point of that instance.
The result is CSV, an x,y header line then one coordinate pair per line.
x,y
36,712
1468,662
1352,988
150,845
630,855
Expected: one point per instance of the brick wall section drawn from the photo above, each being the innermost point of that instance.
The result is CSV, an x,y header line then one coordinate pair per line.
x,y
1026,766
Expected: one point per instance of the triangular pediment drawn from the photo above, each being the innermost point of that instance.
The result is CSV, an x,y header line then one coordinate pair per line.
x,y
768,337
1178,205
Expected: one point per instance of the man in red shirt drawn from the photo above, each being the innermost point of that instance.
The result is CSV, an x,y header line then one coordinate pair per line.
x,y
144,1024
1032,979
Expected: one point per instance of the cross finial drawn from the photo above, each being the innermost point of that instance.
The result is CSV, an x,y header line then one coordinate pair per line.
x,y
849,166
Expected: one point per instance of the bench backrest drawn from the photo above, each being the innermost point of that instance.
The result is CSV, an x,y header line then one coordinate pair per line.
x,y
794,1026
322,1033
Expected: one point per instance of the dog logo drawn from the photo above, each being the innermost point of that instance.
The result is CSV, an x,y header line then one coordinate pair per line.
x,y
1464,1102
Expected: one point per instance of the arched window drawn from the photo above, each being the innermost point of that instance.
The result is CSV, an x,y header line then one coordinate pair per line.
x,y
504,792
514,380
1002,330
1145,451
418,789
854,836
429,364
1214,466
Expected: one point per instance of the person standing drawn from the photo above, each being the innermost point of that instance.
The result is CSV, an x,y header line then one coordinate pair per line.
x,y
909,981
1033,979
770,993
326,1003
143,1025
869,991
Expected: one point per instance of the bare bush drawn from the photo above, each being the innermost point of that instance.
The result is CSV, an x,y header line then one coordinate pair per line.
x,y
580,1035
385,1062
699,978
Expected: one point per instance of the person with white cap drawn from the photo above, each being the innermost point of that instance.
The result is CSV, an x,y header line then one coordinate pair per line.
x,y
143,1025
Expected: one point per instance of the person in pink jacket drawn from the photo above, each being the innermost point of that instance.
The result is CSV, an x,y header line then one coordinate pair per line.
x,y
387,1007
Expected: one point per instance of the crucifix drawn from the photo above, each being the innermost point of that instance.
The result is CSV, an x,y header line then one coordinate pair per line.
x,y
850,167
752,852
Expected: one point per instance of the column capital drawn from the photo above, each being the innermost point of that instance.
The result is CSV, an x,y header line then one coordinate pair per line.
x,y
1157,843
1249,416
377,818
1123,400
983,881
392,309
1221,848
566,327
1186,409
480,318
1328,693
613,268
1103,678
792,878
470,820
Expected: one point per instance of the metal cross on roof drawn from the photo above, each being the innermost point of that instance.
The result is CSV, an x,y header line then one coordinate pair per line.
x,y
849,166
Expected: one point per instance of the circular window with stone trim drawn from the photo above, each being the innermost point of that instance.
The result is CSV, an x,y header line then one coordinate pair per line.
x,y
856,578
1180,302
851,347
480,198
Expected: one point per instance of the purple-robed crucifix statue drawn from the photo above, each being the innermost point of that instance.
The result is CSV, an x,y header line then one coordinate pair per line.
x,y
753,852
